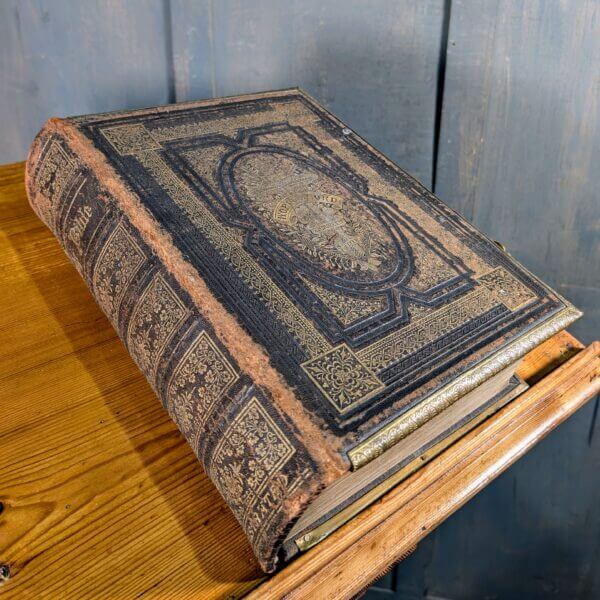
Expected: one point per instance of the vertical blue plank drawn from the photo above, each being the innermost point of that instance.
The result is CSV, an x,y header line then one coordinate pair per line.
x,y
518,154
63,58
373,63
193,49
520,138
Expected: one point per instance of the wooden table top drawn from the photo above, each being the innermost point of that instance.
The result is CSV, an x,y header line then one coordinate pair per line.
x,y
102,497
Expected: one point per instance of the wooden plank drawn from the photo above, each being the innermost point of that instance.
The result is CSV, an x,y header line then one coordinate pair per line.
x,y
518,149
533,532
192,34
68,58
374,64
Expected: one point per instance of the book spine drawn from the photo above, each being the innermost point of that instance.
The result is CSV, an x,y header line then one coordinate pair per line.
x,y
253,452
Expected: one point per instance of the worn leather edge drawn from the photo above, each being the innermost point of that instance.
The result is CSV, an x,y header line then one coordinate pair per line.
x,y
166,108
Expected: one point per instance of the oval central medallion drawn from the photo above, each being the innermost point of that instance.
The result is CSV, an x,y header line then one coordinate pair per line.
x,y
319,220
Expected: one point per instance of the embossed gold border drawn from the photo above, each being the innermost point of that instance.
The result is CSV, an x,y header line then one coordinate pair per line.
x,y
399,428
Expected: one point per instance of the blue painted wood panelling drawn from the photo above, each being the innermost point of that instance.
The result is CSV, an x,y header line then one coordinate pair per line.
x,y
372,63
520,137
65,58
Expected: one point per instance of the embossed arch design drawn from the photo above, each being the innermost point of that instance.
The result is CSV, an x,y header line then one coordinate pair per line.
x,y
342,254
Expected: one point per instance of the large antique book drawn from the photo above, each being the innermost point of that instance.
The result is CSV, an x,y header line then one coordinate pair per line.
x,y
316,323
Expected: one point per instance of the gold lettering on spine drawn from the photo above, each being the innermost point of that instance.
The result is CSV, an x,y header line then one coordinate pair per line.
x,y
80,222
75,227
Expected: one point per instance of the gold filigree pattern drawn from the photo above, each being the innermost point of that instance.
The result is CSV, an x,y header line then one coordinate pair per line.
x,y
55,171
199,381
231,249
347,309
292,140
342,378
80,222
157,315
247,467
204,161
118,262
507,288
415,335
316,216
130,139
430,269
232,123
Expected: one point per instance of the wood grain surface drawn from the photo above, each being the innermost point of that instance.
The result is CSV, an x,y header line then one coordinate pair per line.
x,y
102,497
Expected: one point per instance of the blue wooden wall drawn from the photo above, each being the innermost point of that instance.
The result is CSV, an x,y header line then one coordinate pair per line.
x,y
495,105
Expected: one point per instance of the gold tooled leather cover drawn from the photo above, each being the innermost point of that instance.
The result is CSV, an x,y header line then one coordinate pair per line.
x,y
363,304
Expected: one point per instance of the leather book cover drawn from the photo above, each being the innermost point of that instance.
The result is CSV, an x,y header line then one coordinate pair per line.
x,y
297,301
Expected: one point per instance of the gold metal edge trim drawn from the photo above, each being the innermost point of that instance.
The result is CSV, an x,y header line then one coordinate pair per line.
x,y
398,429
319,533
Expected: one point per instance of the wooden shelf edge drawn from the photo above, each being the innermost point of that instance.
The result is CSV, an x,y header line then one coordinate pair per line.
x,y
358,553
